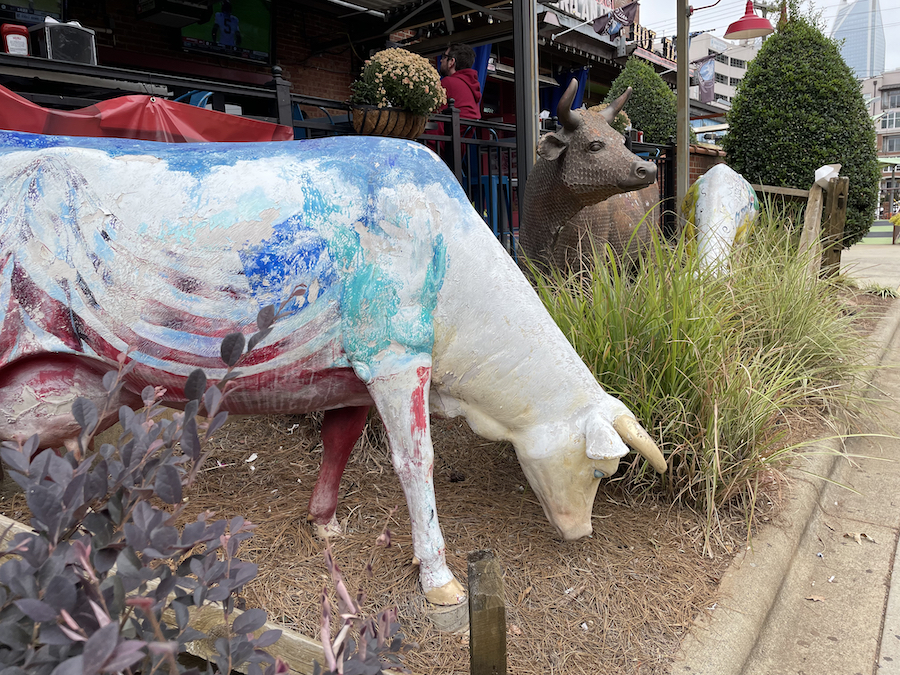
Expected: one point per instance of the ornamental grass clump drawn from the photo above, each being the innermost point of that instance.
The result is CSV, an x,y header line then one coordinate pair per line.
x,y
715,366
397,78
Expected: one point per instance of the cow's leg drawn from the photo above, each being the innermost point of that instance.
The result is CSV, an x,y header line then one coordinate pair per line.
x,y
400,391
341,429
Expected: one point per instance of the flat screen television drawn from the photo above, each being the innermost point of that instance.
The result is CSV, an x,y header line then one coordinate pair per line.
x,y
30,12
238,28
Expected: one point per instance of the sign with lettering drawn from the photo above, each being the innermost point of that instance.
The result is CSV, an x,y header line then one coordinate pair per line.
x,y
643,37
586,10
667,48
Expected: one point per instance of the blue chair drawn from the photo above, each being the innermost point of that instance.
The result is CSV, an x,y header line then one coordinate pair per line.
x,y
301,133
487,189
195,97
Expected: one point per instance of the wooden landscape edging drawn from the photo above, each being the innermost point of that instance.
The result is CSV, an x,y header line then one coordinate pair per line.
x,y
487,615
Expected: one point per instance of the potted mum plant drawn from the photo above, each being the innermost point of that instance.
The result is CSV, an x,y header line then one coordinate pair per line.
x,y
395,93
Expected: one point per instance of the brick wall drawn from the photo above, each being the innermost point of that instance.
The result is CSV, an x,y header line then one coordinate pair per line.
x,y
326,73
124,41
703,158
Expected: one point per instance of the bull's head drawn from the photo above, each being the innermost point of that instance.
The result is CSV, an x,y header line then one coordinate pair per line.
x,y
564,463
594,163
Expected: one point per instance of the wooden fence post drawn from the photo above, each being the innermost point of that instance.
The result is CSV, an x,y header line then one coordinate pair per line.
x,y
487,615
811,236
833,228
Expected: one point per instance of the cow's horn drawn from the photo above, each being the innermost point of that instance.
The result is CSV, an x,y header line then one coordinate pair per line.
x,y
634,435
568,117
609,113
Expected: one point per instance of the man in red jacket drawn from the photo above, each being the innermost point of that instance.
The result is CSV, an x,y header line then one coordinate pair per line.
x,y
461,80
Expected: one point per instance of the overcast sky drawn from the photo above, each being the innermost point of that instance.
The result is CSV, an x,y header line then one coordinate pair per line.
x,y
659,15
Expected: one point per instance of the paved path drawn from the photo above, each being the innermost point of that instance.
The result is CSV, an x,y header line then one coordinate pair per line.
x,y
819,593
873,264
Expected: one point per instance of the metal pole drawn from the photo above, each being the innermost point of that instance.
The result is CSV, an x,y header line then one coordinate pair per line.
x,y
683,122
525,52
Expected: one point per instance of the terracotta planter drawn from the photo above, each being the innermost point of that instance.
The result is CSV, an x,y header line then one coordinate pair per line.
x,y
394,122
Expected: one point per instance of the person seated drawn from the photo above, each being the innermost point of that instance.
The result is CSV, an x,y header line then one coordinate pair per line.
x,y
460,80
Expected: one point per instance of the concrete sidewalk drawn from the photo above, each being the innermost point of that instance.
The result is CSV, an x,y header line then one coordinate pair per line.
x,y
818,593
877,265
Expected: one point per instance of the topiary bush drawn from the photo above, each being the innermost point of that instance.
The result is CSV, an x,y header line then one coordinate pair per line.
x,y
652,107
800,107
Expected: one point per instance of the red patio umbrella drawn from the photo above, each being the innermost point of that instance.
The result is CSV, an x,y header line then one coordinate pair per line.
x,y
141,117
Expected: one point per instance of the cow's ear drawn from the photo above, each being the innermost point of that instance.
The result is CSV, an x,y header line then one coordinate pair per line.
x,y
551,147
602,442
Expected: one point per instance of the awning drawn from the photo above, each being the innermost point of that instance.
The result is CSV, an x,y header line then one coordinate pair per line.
x,y
140,117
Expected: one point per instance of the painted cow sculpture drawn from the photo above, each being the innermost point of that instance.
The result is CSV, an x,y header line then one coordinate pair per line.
x,y
583,163
411,305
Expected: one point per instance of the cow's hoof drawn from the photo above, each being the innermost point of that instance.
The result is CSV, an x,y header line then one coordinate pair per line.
x,y
330,529
451,593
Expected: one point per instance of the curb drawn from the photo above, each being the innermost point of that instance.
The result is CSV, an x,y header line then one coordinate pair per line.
x,y
721,641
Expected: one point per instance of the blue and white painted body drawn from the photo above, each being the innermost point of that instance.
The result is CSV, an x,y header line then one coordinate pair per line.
x,y
719,209
108,246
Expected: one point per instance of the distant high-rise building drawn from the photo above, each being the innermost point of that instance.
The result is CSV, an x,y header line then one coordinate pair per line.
x,y
859,25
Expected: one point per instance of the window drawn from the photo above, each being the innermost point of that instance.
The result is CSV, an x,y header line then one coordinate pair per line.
x,y
734,81
891,144
721,58
891,120
738,63
890,99
721,79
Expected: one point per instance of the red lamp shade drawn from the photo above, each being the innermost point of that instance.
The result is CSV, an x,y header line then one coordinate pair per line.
x,y
749,26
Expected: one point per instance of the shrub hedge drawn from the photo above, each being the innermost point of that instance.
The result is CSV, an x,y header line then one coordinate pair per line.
x,y
798,108
652,107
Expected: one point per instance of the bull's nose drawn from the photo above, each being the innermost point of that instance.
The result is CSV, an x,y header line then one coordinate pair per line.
x,y
644,172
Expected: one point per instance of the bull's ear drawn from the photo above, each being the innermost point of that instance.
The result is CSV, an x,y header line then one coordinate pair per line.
x,y
551,147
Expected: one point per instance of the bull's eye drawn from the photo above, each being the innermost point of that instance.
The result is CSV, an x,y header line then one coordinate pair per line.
x,y
595,146
598,473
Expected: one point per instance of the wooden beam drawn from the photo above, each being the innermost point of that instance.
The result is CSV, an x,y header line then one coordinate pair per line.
x,y
782,191
487,615
811,236
835,221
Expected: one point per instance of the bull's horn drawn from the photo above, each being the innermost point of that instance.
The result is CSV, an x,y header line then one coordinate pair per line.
x,y
609,112
634,435
568,117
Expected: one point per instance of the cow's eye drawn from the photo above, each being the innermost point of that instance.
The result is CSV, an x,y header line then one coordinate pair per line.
x,y
595,146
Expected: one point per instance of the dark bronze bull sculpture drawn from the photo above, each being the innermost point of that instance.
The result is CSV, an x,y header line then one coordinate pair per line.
x,y
577,194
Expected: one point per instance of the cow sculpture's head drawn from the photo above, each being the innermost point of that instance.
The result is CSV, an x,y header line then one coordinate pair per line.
x,y
565,462
593,162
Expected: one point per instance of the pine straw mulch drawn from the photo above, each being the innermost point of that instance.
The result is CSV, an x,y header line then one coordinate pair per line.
x,y
618,602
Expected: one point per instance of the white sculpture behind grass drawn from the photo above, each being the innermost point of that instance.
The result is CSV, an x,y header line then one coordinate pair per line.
x,y
718,209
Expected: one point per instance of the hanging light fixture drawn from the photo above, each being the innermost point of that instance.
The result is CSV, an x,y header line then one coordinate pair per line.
x,y
749,26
